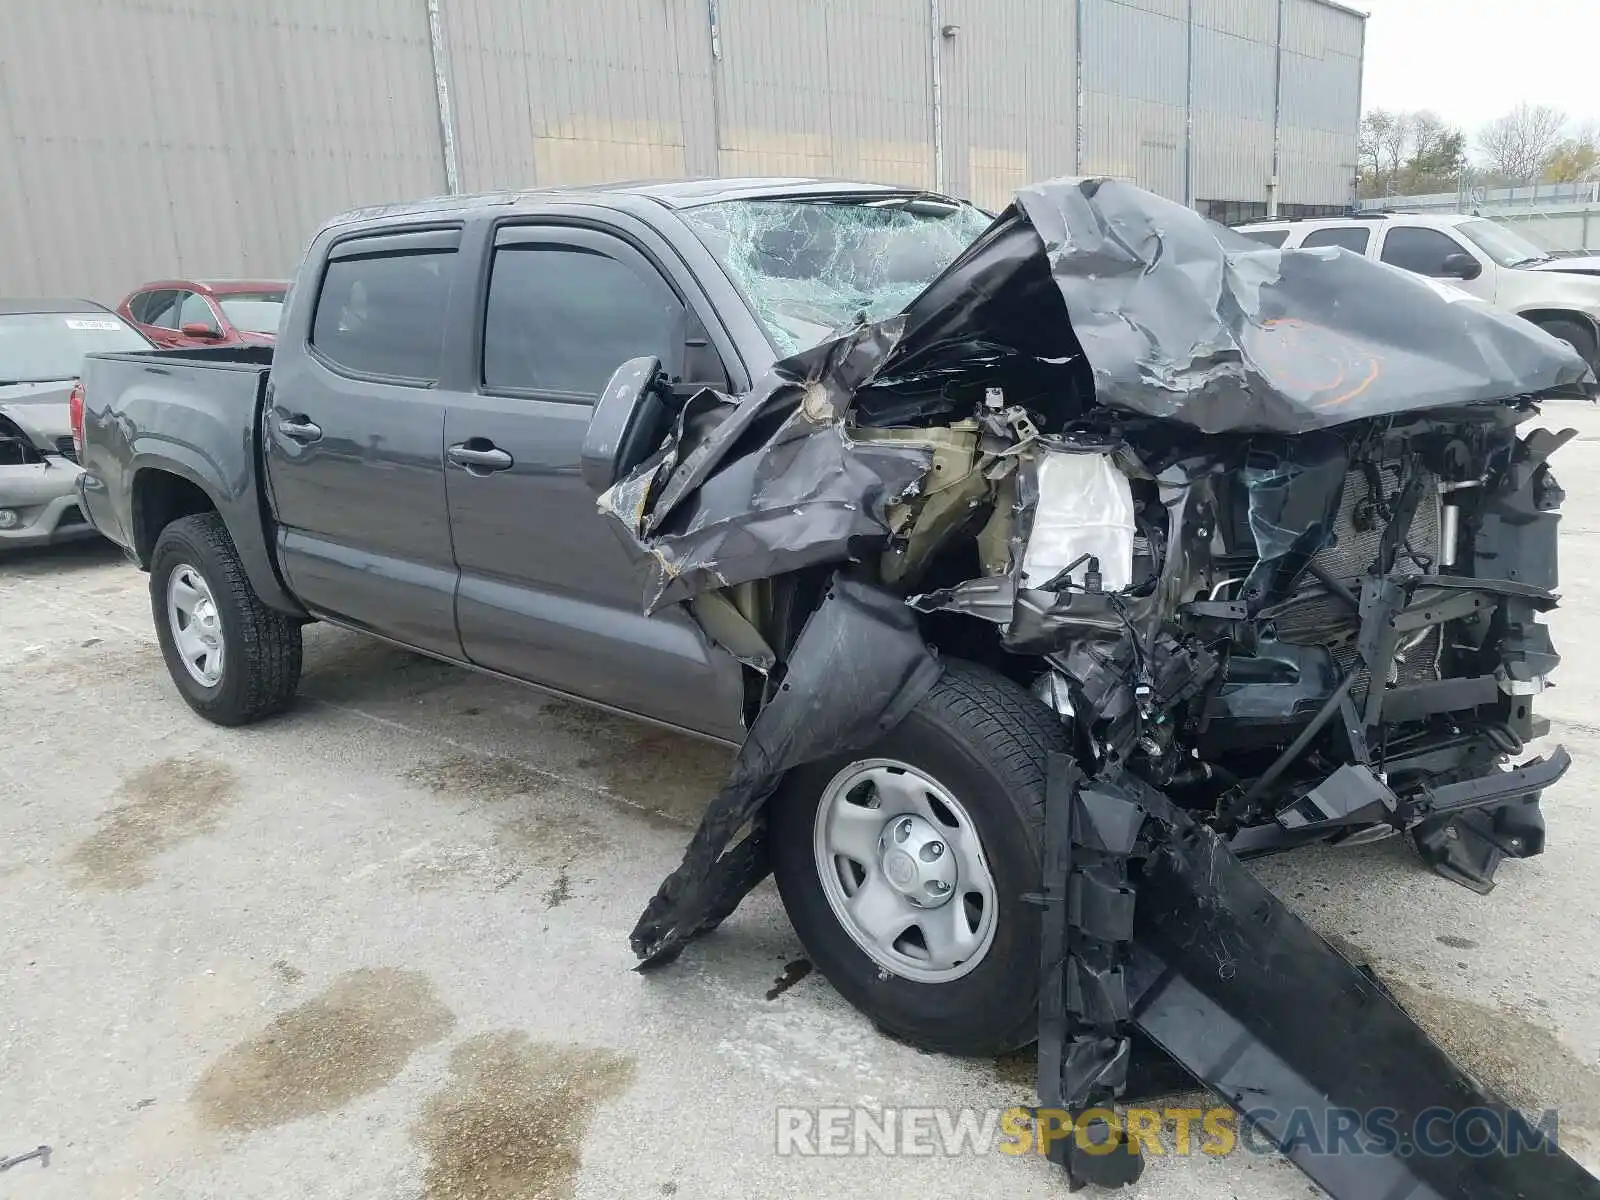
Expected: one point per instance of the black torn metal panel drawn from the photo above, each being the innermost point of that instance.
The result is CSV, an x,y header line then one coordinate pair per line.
x,y
1254,1004
1182,319
769,483
858,667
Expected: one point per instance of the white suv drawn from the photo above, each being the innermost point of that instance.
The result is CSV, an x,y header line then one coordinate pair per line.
x,y
1480,256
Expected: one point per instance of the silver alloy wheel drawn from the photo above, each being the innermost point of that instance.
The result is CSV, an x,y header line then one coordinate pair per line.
x,y
904,871
196,625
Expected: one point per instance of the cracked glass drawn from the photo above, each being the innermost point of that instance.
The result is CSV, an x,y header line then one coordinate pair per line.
x,y
811,268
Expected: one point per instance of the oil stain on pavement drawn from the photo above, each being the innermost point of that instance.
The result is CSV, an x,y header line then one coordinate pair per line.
x,y
539,822
163,805
513,1119
350,1040
669,774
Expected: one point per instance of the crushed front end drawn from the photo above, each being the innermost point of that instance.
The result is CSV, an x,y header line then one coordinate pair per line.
x,y
1333,635
1271,532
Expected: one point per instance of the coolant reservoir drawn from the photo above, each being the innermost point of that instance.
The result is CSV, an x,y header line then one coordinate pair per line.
x,y
1085,507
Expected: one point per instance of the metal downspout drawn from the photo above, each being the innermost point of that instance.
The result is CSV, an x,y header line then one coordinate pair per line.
x,y
714,22
936,68
1361,85
441,89
1277,119
1188,114
1077,75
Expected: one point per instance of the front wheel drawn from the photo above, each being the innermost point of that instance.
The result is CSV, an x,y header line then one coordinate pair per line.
x,y
903,869
234,659
1580,337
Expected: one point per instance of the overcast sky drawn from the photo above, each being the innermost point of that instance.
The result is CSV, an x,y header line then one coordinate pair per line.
x,y
1471,62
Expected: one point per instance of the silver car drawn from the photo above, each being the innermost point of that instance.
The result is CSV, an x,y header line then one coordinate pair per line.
x,y
42,344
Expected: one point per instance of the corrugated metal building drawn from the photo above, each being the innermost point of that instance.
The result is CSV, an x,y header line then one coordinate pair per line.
x,y
148,138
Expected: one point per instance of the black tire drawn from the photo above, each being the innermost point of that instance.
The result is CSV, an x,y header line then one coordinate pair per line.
x,y
985,739
1576,335
261,657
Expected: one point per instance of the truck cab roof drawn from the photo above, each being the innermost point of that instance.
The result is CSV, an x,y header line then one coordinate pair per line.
x,y
667,194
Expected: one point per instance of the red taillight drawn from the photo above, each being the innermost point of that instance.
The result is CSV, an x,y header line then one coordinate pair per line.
x,y
75,415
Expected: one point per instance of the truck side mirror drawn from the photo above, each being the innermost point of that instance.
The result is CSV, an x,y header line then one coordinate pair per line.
x,y
628,422
1461,265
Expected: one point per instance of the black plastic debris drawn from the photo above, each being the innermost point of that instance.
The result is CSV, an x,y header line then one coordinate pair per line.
x,y
1301,1042
858,667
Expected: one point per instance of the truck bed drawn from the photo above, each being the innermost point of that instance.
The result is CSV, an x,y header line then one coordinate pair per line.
x,y
189,413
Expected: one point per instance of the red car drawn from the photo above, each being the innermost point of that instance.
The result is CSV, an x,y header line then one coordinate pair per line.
x,y
207,312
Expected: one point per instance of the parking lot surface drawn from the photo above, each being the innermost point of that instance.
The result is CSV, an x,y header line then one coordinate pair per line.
x,y
378,947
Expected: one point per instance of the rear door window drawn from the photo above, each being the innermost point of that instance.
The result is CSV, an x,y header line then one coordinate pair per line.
x,y
382,313
1414,248
562,317
1355,238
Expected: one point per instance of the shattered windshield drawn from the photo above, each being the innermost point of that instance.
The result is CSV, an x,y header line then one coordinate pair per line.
x,y
813,267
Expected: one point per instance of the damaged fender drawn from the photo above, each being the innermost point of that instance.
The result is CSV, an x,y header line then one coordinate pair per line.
x,y
858,667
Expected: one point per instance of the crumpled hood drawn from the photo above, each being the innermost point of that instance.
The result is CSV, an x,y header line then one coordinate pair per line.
x,y
1182,319
39,410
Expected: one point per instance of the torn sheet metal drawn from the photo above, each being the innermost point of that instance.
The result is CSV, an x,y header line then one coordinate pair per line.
x,y
799,492
858,667
1302,1044
1183,319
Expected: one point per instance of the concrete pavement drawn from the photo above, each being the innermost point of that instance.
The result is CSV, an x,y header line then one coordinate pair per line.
x,y
378,947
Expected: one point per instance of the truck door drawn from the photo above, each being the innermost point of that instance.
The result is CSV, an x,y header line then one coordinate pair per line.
x,y
354,436
547,592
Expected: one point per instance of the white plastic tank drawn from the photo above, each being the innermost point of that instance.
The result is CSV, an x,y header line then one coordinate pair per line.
x,y
1085,507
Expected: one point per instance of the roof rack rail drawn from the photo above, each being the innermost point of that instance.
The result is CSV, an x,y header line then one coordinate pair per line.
x,y
1350,214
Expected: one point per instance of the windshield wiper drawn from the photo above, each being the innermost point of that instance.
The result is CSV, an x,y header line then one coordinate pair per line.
x,y
1537,258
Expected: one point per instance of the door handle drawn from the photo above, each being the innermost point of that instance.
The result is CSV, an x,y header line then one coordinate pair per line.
x,y
479,455
300,428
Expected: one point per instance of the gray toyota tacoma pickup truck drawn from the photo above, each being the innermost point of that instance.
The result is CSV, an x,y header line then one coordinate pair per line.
x,y
1040,567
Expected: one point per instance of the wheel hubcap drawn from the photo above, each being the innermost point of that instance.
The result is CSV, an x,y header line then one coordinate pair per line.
x,y
904,871
196,626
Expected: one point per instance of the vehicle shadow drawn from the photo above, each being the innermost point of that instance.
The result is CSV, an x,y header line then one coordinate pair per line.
x,y
64,558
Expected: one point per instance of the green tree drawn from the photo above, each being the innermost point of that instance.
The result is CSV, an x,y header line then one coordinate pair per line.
x,y
1407,152
1576,159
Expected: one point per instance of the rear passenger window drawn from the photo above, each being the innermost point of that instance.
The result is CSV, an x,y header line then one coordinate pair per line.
x,y
1351,238
562,319
383,314
1267,237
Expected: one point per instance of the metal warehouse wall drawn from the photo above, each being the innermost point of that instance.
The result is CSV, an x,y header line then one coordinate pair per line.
x,y
144,138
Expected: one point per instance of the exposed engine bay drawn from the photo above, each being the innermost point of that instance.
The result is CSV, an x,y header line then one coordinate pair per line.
x,y
1259,526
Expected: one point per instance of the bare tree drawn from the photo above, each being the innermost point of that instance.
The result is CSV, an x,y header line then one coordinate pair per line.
x,y
1518,145
1376,128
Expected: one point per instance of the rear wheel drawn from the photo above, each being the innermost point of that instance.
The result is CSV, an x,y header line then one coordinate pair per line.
x,y
234,659
904,868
